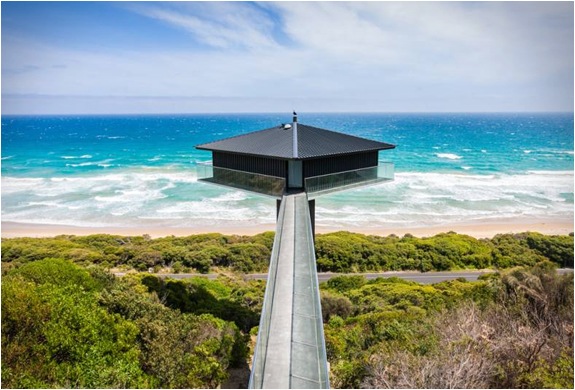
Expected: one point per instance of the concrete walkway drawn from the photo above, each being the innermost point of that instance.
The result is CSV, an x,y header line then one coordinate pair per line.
x,y
290,351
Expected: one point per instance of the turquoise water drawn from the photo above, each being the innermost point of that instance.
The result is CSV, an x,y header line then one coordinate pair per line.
x,y
141,170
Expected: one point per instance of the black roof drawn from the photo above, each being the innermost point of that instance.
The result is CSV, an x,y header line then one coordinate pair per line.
x,y
278,142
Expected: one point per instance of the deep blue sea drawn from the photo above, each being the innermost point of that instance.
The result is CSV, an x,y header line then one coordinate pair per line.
x,y
124,171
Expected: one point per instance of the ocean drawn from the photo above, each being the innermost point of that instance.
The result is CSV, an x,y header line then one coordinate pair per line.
x,y
140,170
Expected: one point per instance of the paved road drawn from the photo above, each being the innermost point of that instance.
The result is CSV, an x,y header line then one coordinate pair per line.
x,y
425,277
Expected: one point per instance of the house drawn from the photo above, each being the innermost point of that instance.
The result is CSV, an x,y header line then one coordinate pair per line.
x,y
295,157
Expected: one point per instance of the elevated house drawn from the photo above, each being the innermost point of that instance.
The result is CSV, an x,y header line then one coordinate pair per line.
x,y
295,157
294,163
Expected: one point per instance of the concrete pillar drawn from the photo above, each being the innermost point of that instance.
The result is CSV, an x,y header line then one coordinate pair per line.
x,y
278,205
312,216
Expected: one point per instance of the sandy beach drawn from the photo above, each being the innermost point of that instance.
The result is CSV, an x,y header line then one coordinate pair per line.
x,y
484,229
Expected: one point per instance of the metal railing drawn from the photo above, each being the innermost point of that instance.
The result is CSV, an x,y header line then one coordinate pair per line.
x,y
254,182
348,179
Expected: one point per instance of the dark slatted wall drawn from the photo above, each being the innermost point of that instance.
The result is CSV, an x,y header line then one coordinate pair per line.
x,y
264,166
327,165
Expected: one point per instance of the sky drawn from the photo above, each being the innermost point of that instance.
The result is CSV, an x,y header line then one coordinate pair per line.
x,y
206,57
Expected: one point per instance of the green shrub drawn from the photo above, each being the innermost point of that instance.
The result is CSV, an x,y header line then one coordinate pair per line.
x,y
65,326
332,305
345,283
335,252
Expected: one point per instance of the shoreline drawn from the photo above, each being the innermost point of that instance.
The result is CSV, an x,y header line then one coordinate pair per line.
x,y
479,229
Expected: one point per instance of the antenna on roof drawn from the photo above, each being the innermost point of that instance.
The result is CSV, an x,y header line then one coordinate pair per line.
x,y
294,136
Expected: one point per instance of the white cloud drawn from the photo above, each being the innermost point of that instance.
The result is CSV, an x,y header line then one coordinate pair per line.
x,y
218,24
31,69
388,56
437,41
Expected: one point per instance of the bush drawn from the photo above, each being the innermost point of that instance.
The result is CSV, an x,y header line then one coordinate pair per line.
x,y
332,305
65,326
247,257
345,283
54,334
56,272
558,249
515,331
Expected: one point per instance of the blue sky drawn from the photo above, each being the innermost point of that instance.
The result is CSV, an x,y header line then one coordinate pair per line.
x,y
187,57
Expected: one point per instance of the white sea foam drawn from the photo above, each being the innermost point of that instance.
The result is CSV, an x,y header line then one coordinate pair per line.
x,y
173,197
87,180
12,185
207,210
80,165
76,157
554,151
449,156
103,163
231,196
416,199
137,195
560,174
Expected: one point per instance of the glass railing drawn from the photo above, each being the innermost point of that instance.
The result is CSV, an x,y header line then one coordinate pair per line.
x,y
275,186
259,357
349,179
307,373
262,184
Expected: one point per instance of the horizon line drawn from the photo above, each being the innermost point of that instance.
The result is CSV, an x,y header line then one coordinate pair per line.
x,y
286,113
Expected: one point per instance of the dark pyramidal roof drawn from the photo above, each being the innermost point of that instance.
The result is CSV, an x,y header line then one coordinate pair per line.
x,y
278,142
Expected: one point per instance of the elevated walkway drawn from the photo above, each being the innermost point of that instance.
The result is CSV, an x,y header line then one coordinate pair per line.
x,y
290,350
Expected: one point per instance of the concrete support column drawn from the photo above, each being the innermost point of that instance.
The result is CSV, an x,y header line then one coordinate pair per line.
x,y
278,205
312,216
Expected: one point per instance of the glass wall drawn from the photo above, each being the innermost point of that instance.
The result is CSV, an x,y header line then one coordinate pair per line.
x,y
314,186
349,179
263,184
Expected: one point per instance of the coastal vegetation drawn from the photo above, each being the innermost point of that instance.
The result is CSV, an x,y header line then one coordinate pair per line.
x,y
512,329
68,326
67,321
335,252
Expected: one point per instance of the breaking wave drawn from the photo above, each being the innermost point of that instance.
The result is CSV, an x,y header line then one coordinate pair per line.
x,y
176,198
